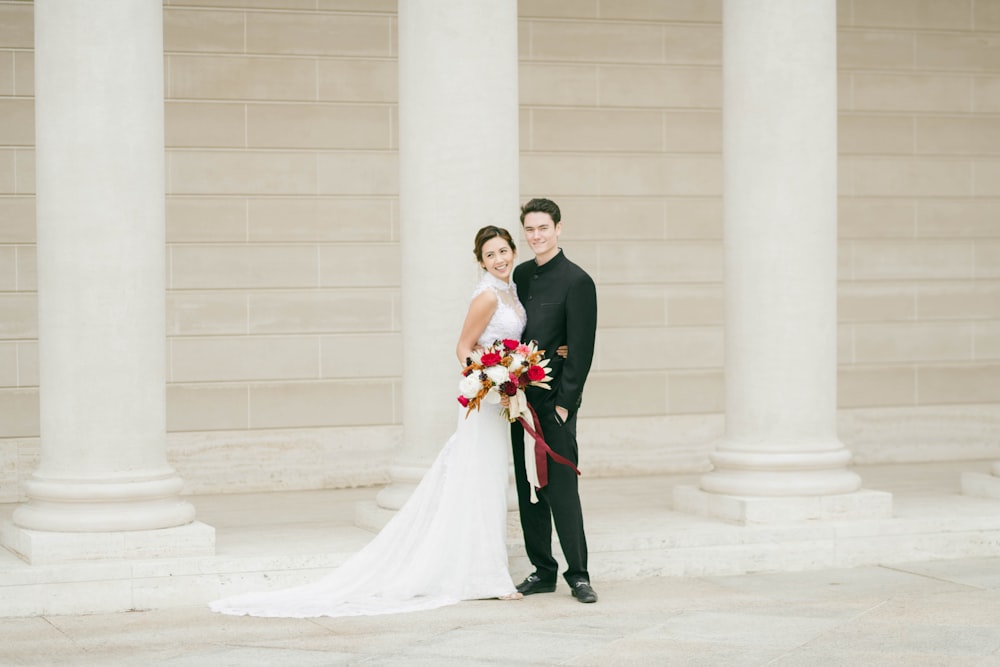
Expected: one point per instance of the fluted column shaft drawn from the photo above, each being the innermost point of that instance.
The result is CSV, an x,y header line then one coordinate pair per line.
x,y
780,231
458,156
101,271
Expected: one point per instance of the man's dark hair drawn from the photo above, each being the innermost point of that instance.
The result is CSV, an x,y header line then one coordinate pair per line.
x,y
541,206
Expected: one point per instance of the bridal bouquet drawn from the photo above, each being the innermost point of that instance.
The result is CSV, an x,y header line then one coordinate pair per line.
x,y
503,368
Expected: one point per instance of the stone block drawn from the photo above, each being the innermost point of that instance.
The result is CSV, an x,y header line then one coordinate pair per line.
x,y
207,407
312,126
17,25
987,341
27,268
696,392
661,348
319,34
323,403
676,10
875,135
357,173
689,262
352,219
870,49
935,14
360,265
8,268
907,177
18,128
45,548
543,84
242,266
876,302
626,394
961,300
204,124
596,130
956,51
910,92
870,386
892,343
361,355
241,77
615,42
17,213
19,412
356,80
206,220
745,510
986,94
6,73
876,218
958,136
695,305
8,171
327,311
556,174
259,173
921,260
953,384
987,172
672,86
678,175
202,30
227,358
205,312
24,73
630,306
981,485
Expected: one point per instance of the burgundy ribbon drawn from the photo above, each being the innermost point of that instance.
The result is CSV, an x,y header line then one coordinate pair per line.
x,y
542,448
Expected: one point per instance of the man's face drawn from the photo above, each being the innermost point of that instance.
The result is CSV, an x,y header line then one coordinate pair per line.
x,y
542,234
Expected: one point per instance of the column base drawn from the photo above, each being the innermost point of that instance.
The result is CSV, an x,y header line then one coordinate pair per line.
x,y
41,547
746,510
980,485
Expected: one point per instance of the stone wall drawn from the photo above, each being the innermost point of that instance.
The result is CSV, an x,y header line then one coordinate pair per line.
x,y
284,341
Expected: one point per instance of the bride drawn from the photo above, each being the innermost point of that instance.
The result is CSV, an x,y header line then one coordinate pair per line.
x,y
449,540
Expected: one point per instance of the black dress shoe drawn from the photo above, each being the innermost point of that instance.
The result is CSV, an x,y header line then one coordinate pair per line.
x,y
534,584
583,592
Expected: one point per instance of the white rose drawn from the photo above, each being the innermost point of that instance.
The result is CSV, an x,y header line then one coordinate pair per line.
x,y
499,374
470,385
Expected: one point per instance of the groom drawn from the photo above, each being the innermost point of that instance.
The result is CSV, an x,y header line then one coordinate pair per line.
x,y
561,304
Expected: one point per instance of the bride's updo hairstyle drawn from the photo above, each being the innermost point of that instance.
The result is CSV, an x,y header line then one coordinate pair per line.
x,y
488,233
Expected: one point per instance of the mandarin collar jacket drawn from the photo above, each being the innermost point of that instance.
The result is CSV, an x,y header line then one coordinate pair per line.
x,y
560,300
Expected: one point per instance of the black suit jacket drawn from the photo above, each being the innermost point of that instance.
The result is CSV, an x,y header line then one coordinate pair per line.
x,y
561,302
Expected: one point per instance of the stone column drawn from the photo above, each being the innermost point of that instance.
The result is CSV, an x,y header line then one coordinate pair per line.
x,y
780,234
458,160
101,291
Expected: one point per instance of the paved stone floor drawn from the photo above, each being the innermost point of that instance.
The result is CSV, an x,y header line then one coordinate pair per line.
x,y
932,613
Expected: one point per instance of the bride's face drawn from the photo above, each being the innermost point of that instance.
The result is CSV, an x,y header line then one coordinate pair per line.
x,y
498,258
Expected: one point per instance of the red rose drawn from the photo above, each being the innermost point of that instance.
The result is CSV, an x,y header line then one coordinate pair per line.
x,y
490,359
509,388
510,344
536,373
464,401
522,379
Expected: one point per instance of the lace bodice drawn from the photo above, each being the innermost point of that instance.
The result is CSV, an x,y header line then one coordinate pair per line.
x,y
509,318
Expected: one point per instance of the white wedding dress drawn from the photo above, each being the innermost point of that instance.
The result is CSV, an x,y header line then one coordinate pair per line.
x,y
449,540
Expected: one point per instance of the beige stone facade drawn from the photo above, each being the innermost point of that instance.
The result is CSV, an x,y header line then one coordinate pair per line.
x,y
284,341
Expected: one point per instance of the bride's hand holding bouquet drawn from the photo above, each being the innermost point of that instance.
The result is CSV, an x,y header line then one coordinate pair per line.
x,y
499,373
